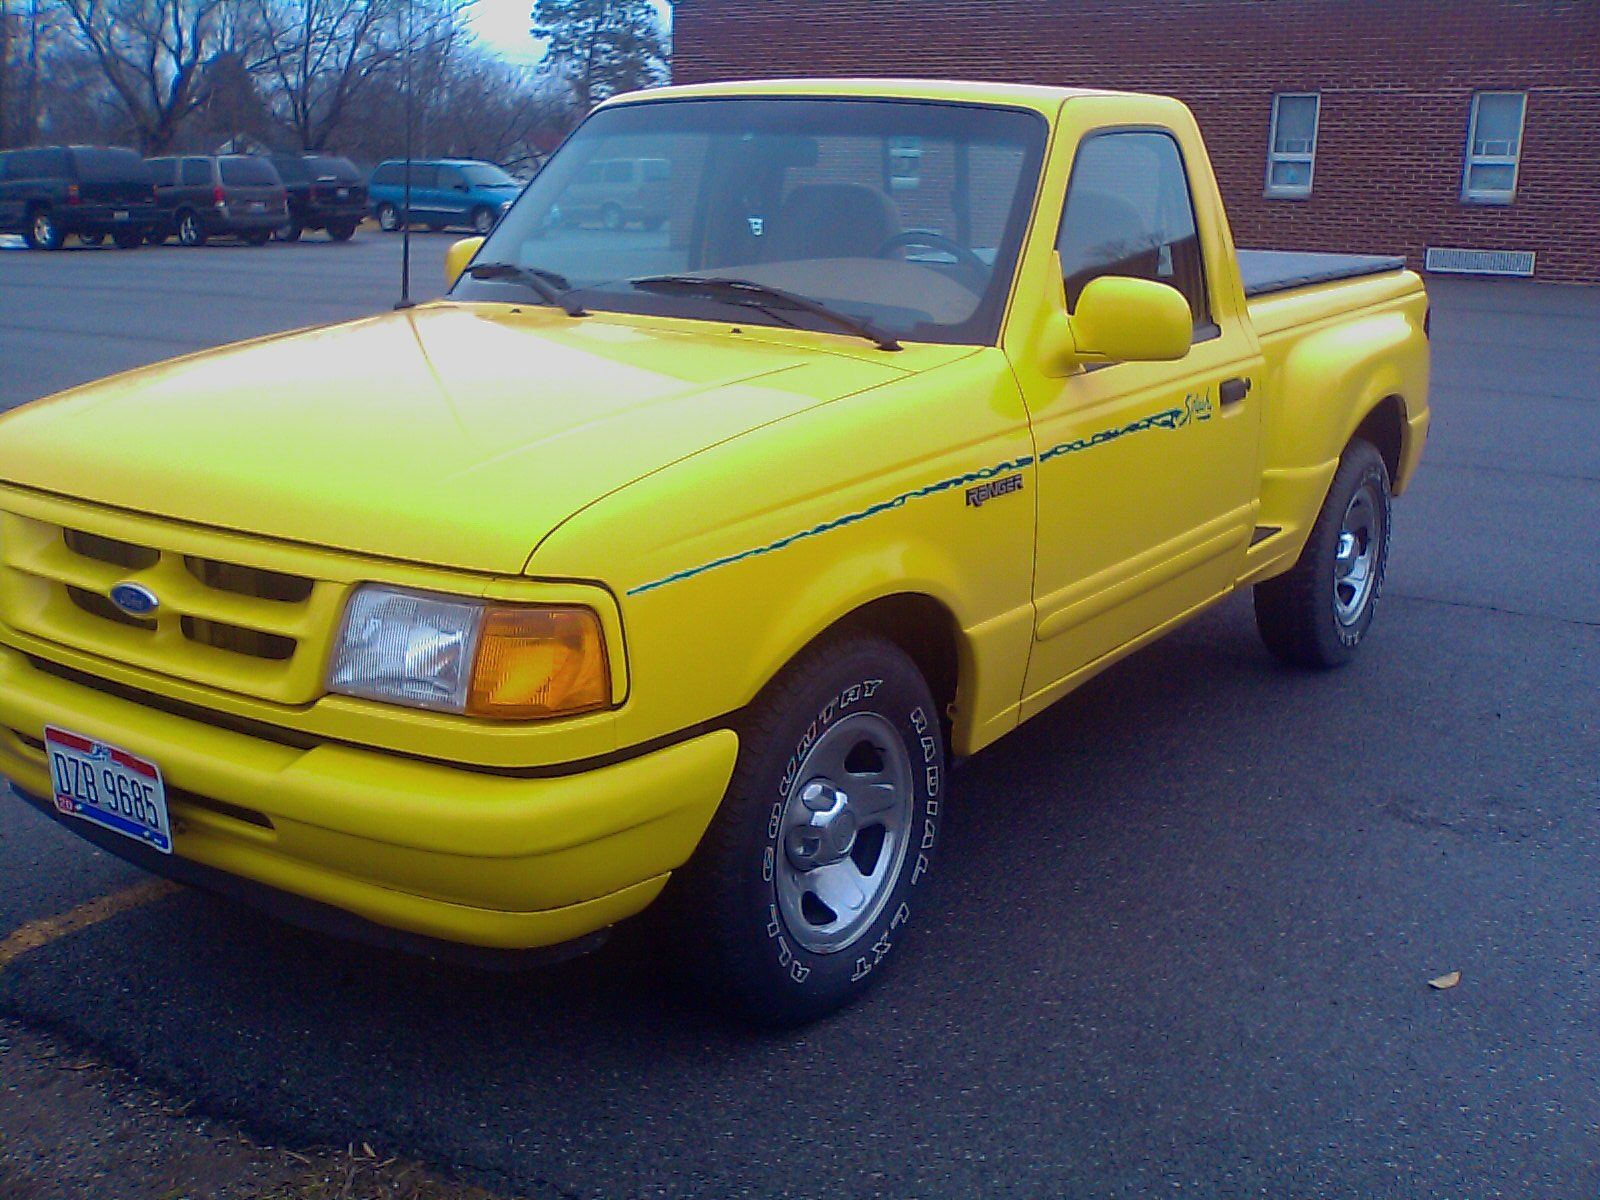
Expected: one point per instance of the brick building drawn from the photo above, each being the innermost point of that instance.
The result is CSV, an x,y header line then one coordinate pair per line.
x,y
1387,126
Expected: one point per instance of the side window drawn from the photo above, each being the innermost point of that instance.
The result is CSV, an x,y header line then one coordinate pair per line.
x,y
620,171
1129,212
161,170
449,178
196,172
385,174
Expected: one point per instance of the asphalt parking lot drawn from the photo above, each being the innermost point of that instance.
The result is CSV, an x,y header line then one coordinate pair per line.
x,y
1189,916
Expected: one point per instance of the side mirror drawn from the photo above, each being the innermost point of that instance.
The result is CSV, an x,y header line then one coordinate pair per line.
x,y
457,257
1119,319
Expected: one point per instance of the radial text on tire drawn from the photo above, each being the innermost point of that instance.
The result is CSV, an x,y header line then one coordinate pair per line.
x,y
804,888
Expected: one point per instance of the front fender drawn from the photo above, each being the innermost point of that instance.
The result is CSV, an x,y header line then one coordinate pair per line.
x,y
726,565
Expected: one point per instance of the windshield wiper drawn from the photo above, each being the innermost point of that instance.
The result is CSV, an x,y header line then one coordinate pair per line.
x,y
759,295
552,287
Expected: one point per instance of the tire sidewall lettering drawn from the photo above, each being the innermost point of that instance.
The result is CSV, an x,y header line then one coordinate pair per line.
x,y
919,729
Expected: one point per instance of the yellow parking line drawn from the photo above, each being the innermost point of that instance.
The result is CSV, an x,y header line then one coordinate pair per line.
x,y
34,934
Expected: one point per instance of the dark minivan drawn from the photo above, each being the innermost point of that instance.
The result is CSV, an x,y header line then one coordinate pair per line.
x,y
222,195
49,192
325,192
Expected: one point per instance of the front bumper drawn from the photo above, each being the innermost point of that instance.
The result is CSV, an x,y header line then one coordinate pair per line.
x,y
483,859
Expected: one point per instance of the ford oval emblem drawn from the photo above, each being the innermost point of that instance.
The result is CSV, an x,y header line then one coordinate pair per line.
x,y
135,599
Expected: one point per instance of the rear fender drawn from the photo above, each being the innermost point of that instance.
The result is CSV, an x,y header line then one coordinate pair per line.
x,y
1329,383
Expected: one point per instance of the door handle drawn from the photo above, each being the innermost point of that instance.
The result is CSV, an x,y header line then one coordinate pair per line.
x,y
1233,390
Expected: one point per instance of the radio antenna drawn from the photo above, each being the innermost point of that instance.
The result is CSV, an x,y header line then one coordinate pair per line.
x,y
405,202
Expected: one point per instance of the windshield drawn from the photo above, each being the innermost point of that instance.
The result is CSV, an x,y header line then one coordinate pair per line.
x,y
904,214
485,175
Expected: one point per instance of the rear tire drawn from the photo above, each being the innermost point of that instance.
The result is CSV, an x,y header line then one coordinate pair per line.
x,y
482,221
191,232
611,218
127,239
289,231
43,232
343,231
836,794
1319,612
260,238
91,239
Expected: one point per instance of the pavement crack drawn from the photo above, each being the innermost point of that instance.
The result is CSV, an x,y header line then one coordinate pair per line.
x,y
1580,622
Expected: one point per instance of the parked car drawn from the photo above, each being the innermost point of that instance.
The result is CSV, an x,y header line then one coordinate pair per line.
x,y
325,192
202,196
48,193
444,192
624,568
612,192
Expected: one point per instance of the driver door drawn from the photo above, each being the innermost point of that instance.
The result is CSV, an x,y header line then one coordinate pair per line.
x,y
1147,471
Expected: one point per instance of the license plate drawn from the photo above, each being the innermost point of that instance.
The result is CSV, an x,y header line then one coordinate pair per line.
x,y
258,206
114,789
120,214
342,193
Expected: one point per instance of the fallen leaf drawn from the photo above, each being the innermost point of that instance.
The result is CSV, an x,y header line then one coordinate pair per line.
x,y
1445,981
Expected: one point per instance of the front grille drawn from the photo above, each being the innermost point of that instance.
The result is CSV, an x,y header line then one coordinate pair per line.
x,y
223,622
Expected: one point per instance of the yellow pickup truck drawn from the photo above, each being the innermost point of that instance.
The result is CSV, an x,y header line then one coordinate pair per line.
x,y
685,543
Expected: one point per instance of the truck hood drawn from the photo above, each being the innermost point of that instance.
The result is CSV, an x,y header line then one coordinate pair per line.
x,y
455,435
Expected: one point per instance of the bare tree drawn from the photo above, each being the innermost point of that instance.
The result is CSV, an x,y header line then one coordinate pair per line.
x,y
152,54
317,55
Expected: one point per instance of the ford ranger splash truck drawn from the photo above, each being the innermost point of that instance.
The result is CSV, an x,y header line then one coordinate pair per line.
x,y
685,558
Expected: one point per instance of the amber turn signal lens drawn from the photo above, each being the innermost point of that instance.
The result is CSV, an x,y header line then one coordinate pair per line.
x,y
539,662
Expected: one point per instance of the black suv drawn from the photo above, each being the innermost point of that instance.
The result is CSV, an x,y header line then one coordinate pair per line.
x,y
221,195
324,193
48,192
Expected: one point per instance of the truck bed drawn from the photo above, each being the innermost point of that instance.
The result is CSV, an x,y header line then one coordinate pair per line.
x,y
1268,271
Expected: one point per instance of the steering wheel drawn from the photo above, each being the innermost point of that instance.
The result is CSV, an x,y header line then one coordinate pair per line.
x,y
973,270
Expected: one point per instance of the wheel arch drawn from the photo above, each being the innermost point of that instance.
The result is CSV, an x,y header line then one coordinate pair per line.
x,y
1384,426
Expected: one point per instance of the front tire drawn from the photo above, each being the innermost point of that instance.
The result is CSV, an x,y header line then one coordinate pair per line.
x,y
1319,612
92,239
482,221
802,888
611,218
127,239
388,218
342,231
289,231
257,238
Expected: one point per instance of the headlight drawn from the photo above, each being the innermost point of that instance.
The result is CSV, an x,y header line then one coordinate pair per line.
x,y
483,659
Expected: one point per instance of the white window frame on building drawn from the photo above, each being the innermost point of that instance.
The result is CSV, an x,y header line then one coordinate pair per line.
x,y
1305,154
1499,153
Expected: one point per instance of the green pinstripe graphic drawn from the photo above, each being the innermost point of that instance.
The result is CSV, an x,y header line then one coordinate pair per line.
x,y
1195,407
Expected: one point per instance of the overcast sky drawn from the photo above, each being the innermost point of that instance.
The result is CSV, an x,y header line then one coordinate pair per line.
x,y
502,25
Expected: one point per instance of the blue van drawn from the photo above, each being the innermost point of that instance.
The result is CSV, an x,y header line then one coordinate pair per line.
x,y
444,191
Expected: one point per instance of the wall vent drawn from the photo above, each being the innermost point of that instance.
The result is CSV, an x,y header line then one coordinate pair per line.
x,y
1480,262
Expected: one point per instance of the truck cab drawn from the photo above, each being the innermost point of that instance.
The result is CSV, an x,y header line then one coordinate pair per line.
x,y
679,563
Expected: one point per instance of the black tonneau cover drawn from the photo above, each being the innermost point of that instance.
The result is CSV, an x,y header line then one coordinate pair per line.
x,y
1267,271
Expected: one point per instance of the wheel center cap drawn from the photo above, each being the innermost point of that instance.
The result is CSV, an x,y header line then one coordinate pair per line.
x,y
829,835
